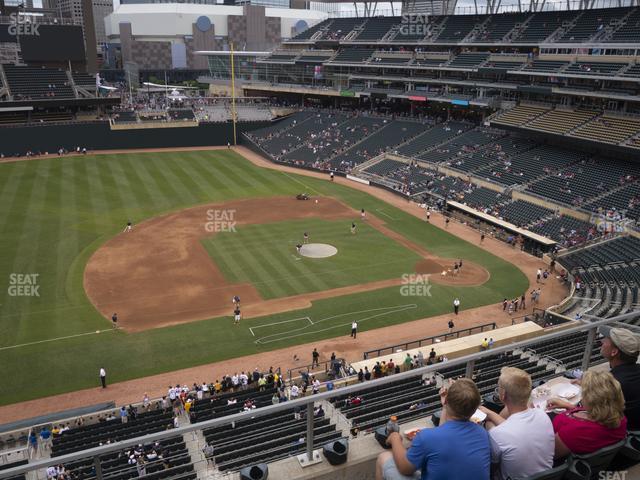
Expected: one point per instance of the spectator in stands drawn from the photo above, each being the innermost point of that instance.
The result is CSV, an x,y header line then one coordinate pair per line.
x,y
407,362
598,423
457,448
33,443
208,451
123,414
620,348
295,392
45,437
522,438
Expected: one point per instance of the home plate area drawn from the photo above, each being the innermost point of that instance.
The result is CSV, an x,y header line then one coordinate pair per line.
x,y
318,250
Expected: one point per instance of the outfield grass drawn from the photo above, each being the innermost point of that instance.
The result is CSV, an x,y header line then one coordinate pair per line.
x,y
55,213
265,255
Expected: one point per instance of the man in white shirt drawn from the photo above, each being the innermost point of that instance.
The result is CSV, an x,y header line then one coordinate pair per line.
x,y
244,380
522,438
354,329
103,377
456,305
295,391
172,394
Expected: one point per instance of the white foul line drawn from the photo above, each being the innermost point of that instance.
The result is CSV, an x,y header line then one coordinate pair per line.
x,y
385,214
310,189
387,310
279,323
56,339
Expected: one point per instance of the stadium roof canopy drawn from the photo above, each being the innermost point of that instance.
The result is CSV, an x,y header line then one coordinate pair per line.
x,y
449,7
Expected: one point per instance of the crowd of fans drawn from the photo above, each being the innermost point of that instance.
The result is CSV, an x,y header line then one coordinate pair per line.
x,y
519,439
515,440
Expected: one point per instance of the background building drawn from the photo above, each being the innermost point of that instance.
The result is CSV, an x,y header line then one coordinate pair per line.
x,y
166,35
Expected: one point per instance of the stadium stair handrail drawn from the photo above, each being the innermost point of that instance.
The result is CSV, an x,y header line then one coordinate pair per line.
x,y
433,339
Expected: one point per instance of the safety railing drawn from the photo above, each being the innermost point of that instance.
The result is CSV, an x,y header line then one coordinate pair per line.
x,y
443,337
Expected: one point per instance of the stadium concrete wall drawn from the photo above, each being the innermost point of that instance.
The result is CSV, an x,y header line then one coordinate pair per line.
x,y
98,136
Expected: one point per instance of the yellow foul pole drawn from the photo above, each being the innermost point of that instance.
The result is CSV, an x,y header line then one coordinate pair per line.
x,y
233,94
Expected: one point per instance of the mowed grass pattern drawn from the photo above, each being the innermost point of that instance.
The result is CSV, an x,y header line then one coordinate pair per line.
x,y
54,213
265,255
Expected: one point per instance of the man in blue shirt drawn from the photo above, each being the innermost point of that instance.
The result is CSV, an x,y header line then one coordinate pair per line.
x,y
45,437
457,449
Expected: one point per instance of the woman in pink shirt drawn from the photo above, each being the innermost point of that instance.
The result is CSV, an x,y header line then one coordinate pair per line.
x,y
600,421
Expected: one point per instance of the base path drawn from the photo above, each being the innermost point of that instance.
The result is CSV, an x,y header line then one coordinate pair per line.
x,y
133,390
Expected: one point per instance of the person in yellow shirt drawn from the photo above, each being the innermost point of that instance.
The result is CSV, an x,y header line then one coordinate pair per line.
x,y
217,386
187,405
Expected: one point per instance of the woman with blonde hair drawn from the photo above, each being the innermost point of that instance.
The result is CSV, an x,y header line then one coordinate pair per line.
x,y
598,423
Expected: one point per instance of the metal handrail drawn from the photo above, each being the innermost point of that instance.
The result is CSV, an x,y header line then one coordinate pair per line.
x,y
308,402
446,336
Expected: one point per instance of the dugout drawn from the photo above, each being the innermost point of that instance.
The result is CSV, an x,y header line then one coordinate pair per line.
x,y
490,225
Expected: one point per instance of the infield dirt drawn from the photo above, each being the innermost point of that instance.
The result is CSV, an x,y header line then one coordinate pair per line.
x,y
159,274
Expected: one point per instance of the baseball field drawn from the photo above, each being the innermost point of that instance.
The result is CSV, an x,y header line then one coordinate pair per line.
x,y
207,225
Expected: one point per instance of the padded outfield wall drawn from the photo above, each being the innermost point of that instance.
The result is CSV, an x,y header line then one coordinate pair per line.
x,y
99,136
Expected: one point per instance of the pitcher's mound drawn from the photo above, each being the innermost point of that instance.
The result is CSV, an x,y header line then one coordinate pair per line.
x,y
318,250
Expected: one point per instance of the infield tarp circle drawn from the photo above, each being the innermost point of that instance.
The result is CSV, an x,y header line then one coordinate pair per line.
x,y
318,250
